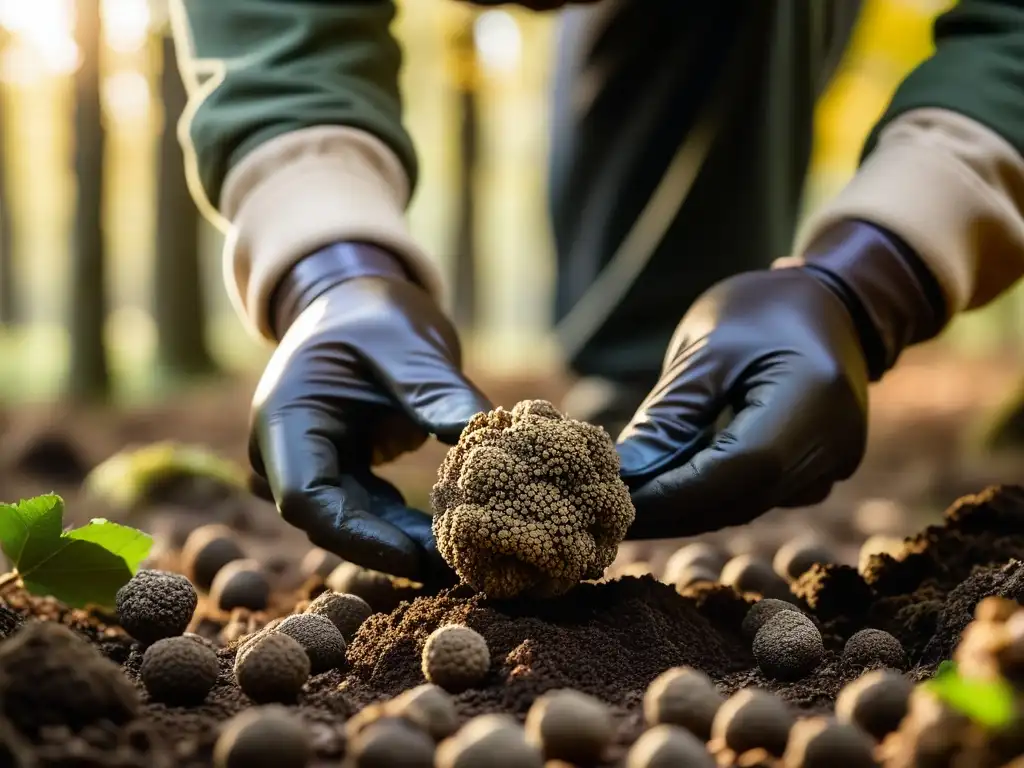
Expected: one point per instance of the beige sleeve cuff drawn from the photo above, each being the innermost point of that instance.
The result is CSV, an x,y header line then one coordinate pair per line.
x,y
953,190
305,190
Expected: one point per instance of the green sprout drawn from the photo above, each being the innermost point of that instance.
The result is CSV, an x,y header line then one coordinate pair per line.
x,y
81,567
989,703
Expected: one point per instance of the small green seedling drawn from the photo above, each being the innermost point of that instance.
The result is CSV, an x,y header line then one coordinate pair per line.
x,y
989,703
80,567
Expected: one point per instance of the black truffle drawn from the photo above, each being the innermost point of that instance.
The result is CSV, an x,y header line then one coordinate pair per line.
x,y
876,702
494,741
319,562
263,737
430,707
761,612
241,584
794,558
376,588
53,677
347,612
753,719
788,646
823,742
208,549
699,555
179,670
455,657
319,638
387,743
873,648
684,697
155,604
272,668
746,573
668,746
569,725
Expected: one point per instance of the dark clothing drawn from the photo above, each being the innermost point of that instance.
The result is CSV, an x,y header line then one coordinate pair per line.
x,y
634,81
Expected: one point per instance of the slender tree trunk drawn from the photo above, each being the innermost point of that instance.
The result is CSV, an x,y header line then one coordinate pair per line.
x,y
8,292
89,372
464,309
178,302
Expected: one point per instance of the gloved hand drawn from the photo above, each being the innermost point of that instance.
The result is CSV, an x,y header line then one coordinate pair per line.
x,y
367,367
789,352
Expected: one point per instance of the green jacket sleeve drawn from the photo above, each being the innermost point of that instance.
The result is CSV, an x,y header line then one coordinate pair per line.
x,y
977,70
258,69
944,167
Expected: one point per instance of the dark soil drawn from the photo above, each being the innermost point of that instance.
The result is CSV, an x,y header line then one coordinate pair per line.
x,y
608,639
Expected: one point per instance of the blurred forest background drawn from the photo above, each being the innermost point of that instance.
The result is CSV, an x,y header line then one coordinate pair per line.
x,y
110,287
96,215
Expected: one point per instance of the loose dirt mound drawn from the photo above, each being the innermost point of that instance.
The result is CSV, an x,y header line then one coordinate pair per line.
x,y
609,640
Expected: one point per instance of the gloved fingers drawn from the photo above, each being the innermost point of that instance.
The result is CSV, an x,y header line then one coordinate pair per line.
x,y
675,421
298,451
764,457
434,393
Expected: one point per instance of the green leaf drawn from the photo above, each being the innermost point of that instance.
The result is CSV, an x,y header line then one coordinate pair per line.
x,y
81,567
30,529
990,703
129,544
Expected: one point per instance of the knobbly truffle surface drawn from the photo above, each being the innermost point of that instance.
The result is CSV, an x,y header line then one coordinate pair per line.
x,y
319,638
455,657
272,668
874,647
179,671
788,646
761,612
530,502
347,612
155,604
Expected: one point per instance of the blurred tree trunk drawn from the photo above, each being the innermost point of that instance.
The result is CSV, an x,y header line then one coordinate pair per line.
x,y
464,309
8,294
89,373
178,302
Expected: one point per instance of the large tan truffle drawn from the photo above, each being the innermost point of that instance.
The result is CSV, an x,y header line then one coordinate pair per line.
x,y
530,501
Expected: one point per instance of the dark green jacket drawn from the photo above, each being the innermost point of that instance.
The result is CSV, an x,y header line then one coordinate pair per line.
x,y
298,63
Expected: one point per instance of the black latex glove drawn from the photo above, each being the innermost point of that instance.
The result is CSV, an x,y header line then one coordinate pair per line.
x,y
367,368
789,354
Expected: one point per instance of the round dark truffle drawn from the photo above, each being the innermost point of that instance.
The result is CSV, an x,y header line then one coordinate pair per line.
x,y
319,562
823,742
877,702
794,558
155,604
455,658
753,719
319,638
53,677
747,573
241,584
762,611
668,746
263,737
569,725
179,671
376,588
208,549
272,668
494,741
347,612
788,646
391,742
700,554
430,707
874,648
684,697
